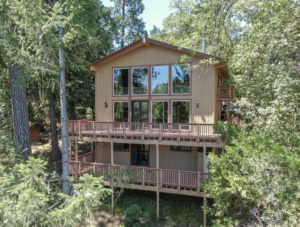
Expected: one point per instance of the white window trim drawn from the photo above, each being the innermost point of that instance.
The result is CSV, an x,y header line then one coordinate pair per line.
x,y
132,81
172,82
113,82
167,75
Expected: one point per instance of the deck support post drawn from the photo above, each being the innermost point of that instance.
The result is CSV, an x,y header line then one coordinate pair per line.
x,y
157,180
204,212
157,203
112,195
76,149
157,156
204,158
112,152
228,103
94,129
70,149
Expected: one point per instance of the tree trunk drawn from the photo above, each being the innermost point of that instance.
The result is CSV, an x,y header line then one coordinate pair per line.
x,y
56,156
123,24
63,104
19,111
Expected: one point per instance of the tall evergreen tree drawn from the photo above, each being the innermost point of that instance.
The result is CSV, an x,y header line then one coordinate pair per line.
x,y
131,26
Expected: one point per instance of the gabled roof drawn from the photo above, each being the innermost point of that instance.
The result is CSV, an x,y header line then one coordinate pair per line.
x,y
222,66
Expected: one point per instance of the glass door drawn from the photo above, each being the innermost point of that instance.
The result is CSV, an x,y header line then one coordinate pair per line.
x,y
139,111
140,154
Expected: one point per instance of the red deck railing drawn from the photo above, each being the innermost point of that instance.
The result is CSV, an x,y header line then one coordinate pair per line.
x,y
142,175
226,92
143,129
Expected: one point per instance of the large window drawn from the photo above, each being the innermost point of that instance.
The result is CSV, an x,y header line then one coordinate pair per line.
x,y
121,147
180,148
140,81
181,111
120,81
160,80
120,111
181,77
160,112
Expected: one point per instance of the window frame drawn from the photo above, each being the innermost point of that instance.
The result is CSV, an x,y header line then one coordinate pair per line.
x,y
168,75
190,88
131,76
167,101
113,81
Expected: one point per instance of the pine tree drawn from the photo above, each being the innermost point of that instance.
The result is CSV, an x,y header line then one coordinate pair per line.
x,y
131,27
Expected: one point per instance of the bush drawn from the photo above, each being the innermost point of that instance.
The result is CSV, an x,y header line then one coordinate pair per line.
x,y
133,215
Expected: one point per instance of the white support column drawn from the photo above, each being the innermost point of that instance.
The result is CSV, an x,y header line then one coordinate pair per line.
x,y
157,179
76,149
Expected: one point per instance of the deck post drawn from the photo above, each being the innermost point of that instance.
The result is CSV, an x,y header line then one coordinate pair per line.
x,y
179,181
143,131
204,212
204,158
112,195
157,156
108,130
79,174
228,103
76,149
94,129
112,152
79,128
143,184
179,132
198,133
198,180
94,168
124,135
92,146
157,203
160,131
70,149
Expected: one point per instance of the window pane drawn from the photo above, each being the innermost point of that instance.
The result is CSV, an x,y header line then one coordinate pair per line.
x,y
181,112
120,111
180,148
140,81
160,112
160,80
120,81
181,79
121,147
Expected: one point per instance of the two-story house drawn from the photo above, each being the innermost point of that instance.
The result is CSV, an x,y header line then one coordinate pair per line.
x,y
155,116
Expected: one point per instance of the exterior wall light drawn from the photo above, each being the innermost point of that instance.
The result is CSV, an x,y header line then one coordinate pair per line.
x,y
105,104
197,104
102,143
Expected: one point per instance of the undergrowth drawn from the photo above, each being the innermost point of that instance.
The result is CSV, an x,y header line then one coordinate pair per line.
x,y
179,210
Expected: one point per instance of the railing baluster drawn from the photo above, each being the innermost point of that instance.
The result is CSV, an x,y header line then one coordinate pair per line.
x,y
143,131
124,136
179,132
160,131
178,180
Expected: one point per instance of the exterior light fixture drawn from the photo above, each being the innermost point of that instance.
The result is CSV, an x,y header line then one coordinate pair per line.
x,y
105,104
197,104
102,143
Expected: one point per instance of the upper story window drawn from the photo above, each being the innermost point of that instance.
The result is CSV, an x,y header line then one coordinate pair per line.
x,y
120,81
181,78
160,80
140,81
120,111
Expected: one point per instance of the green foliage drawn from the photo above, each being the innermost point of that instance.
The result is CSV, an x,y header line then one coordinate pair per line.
x,y
31,197
133,215
179,211
256,182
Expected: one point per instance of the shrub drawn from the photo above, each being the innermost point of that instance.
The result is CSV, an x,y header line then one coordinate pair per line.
x,y
133,215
